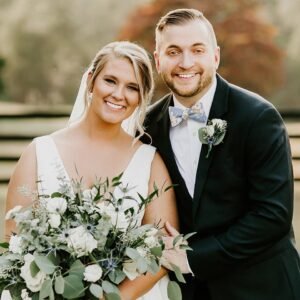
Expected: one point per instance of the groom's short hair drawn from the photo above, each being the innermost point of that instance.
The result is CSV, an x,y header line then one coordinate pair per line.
x,y
182,16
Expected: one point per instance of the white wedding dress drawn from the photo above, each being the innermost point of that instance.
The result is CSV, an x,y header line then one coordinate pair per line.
x,y
50,167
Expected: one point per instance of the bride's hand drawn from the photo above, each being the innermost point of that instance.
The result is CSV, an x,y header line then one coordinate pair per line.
x,y
174,255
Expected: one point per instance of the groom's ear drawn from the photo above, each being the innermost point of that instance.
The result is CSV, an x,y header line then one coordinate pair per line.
x,y
156,59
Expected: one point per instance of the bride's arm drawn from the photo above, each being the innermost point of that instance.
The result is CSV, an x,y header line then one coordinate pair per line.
x,y
23,175
160,209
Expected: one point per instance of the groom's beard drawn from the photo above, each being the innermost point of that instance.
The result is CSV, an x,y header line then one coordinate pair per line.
x,y
203,83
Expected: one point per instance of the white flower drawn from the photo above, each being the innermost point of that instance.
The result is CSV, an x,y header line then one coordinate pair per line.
x,y
25,295
142,251
151,241
11,213
130,269
92,273
5,295
217,122
89,194
23,216
210,130
16,244
34,222
117,218
56,205
152,232
54,220
34,283
81,241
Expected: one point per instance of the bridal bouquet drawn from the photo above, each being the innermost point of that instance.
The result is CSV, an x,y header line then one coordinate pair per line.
x,y
79,244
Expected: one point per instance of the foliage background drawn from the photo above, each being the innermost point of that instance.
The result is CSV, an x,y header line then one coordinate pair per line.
x,y
45,46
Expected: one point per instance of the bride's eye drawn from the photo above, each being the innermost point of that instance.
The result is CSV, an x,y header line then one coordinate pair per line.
x,y
133,88
109,80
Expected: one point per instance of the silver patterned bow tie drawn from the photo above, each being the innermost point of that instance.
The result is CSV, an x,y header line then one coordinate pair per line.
x,y
177,115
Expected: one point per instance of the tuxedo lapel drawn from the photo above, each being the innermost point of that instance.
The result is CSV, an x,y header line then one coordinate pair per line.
x,y
218,109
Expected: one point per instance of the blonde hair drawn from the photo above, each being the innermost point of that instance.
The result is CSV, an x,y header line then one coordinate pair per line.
x,y
142,66
182,16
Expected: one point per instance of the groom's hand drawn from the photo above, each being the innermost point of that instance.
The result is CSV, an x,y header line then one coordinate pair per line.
x,y
173,254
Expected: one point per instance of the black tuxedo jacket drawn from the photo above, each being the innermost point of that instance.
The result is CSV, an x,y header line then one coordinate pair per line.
x,y
243,201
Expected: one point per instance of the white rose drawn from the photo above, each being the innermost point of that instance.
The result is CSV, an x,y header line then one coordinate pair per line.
x,y
210,130
56,205
16,244
92,273
90,194
25,295
130,269
54,220
34,283
11,213
81,241
5,295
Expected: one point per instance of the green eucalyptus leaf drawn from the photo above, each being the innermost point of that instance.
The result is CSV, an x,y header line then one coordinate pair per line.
x,y
44,263
187,236
34,269
109,287
117,276
153,267
174,292
54,258
73,287
142,265
202,134
56,195
59,285
4,262
177,239
45,289
156,251
219,139
185,247
77,269
96,290
4,245
112,296
132,253
178,273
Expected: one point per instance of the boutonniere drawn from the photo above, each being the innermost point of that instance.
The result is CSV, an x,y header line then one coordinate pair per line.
x,y
213,133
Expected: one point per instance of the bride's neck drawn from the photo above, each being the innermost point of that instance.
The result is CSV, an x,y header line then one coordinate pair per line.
x,y
97,129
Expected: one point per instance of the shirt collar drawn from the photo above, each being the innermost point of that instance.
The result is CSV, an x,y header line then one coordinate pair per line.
x,y
206,99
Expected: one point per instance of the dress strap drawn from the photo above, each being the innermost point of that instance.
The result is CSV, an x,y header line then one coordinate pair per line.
x,y
49,166
139,169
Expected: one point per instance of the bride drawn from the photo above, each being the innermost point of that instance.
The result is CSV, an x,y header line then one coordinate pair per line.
x,y
117,85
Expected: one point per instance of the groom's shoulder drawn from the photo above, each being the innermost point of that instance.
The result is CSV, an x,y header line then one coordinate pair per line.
x,y
248,100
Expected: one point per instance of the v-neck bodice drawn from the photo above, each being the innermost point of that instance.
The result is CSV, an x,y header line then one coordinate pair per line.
x,y
51,170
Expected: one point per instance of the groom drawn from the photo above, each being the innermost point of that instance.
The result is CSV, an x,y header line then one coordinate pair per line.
x,y
237,197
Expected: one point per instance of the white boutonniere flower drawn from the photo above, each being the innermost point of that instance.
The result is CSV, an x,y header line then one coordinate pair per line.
x,y
213,133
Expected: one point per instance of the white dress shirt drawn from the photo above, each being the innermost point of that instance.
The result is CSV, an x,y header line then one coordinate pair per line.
x,y
185,142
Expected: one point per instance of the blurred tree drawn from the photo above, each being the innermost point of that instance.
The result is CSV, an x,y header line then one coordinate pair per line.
x,y
249,56
48,44
284,14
